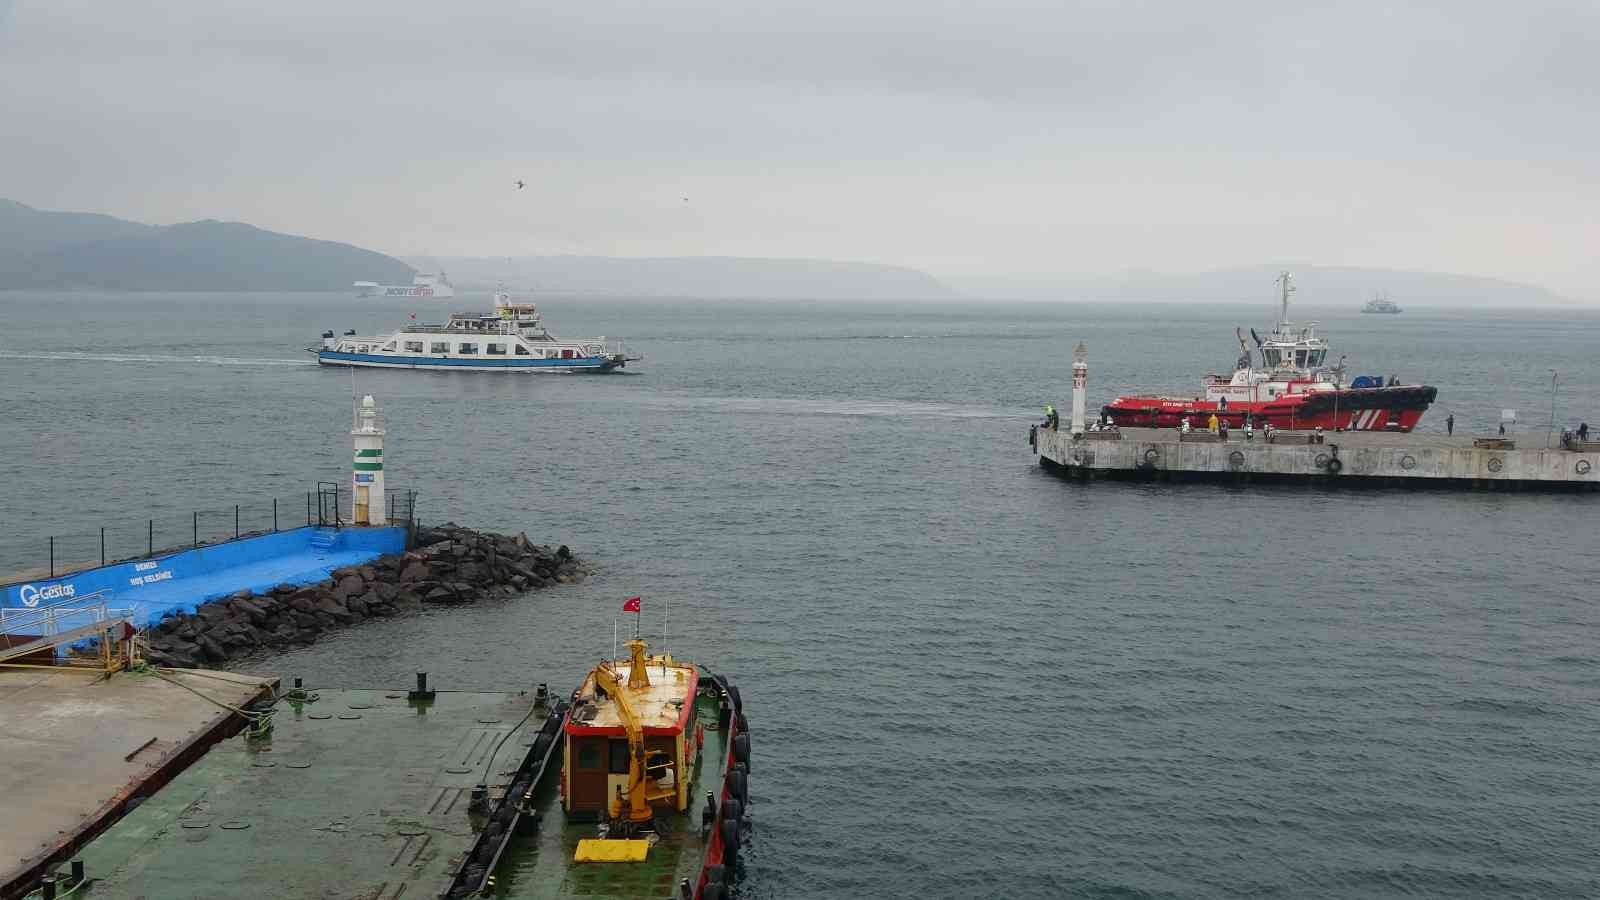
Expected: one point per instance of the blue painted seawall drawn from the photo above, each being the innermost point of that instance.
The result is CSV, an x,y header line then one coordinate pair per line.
x,y
181,581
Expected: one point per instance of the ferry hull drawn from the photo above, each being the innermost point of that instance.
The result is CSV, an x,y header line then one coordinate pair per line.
x,y
1377,409
592,364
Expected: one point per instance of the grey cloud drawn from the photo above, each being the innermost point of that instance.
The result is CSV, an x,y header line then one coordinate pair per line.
x,y
984,134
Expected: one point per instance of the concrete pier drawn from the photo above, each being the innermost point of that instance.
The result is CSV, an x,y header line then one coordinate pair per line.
x,y
80,751
1365,459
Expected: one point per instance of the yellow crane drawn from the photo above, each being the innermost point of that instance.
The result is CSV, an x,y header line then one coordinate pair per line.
x,y
638,796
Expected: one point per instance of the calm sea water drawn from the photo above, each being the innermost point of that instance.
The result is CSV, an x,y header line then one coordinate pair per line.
x,y
965,678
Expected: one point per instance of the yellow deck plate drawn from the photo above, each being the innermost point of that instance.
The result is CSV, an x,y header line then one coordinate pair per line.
x,y
608,850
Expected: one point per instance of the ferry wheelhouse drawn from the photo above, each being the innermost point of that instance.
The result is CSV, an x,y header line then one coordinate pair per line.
x,y
511,338
1293,387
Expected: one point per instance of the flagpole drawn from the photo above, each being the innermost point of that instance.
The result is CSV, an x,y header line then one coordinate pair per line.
x,y
613,638
663,637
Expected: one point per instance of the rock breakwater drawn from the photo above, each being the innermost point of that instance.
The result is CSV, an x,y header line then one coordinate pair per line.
x,y
449,565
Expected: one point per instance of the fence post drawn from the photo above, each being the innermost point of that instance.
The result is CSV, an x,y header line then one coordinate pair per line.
x,y
52,556
102,545
151,547
308,507
236,521
197,529
274,513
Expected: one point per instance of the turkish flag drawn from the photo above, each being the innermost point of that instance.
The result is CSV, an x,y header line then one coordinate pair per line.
x,y
630,605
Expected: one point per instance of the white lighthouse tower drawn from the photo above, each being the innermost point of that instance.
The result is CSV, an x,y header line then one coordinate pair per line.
x,y
367,477
1080,385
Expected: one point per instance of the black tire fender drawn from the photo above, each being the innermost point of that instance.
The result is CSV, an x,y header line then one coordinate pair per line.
x,y
741,748
731,808
1151,455
733,697
730,838
1335,466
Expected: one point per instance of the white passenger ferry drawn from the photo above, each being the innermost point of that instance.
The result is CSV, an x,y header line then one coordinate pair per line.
x,y
510,338
424,284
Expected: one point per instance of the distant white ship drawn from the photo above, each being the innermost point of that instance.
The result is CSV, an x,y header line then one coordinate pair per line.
x,y
425,284
1381,304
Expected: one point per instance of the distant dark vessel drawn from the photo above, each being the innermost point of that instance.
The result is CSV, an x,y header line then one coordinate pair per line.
x,y
1381,304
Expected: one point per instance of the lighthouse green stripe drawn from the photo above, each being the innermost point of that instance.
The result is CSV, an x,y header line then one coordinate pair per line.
x,y
369,453
369,467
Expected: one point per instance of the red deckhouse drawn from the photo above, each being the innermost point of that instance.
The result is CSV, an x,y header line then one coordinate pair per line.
x,y
1293,387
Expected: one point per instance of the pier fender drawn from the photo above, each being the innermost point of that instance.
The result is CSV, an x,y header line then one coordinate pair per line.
x,y
733,697
1236,460
741,748
739,787
730,837
1152,456
1334,466
1583,467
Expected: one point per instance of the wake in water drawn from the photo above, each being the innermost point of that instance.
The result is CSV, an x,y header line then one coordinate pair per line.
x,y
158,360
792,406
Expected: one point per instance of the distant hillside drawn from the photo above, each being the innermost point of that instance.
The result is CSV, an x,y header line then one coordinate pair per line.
x,y
1314,285
42,249
710,277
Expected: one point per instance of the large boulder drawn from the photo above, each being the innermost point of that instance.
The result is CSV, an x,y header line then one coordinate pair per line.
x,y
349,586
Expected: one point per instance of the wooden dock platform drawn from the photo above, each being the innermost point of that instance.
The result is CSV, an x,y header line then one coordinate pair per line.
x,y
81,750
1355,459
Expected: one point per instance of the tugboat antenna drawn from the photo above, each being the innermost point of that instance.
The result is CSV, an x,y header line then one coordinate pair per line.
x,y
1283,279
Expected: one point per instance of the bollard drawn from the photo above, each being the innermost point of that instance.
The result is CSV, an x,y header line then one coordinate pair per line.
x,y
47,887
480,798
684,890
298,692
422,692
541,696
77,872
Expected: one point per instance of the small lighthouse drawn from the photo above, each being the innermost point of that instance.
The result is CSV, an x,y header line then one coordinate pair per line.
x,y
367,477
1080,385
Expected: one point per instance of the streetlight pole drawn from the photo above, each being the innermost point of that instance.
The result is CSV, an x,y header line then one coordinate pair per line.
x,y
1547,435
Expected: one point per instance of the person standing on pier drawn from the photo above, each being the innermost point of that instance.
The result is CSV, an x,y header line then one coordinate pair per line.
x,y
1450,424
1583,431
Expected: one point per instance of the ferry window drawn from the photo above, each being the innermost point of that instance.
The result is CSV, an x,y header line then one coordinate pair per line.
x,y
1271,356
521,350
389,346
1300,358
439,347
413,346
495,349
619,757
467,349
589,754
566,354
361,348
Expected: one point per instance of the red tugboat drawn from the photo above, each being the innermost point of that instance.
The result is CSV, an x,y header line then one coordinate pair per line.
x,y
1292,388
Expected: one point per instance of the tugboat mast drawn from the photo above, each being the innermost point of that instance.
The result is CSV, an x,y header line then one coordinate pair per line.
x,y
1287,289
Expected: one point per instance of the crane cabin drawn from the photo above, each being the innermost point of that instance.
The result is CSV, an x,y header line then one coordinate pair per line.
x,y
630,750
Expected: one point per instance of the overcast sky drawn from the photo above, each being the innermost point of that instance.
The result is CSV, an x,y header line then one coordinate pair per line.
x,y
961,138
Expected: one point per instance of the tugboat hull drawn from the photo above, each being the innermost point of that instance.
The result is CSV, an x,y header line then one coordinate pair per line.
x,y
1359,409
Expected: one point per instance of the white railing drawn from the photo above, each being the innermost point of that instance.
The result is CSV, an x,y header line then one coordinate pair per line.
x,y
68,615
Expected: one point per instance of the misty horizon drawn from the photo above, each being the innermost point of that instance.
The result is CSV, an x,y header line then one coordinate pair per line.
x,y
1021,141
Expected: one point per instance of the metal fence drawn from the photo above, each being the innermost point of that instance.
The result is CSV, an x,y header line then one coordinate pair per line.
x,y
329,505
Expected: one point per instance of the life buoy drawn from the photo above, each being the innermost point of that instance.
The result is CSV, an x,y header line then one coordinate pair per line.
x,y
1151,455
1583,467
1335,466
